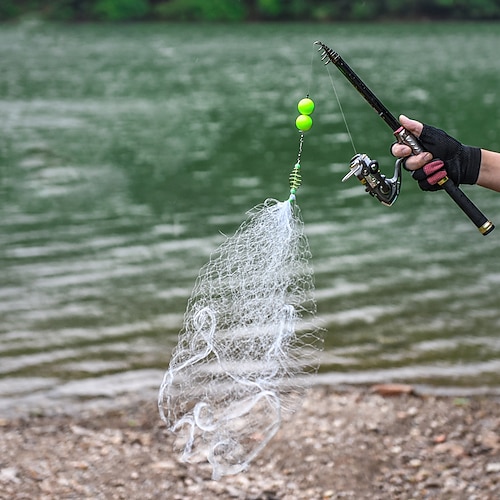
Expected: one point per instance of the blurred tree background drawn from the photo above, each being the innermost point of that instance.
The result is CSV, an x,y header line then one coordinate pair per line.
x,y
249,10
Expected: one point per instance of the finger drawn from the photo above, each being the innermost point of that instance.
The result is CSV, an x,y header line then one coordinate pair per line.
x,y
401,150
418,161
413,126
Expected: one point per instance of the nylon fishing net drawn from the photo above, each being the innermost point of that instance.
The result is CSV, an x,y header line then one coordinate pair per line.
x,y
248,333
233,370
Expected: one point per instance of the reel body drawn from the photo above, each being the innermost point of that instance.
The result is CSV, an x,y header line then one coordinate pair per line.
x,y
376,183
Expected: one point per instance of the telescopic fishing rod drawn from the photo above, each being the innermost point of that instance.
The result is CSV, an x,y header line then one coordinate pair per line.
x,y
368,172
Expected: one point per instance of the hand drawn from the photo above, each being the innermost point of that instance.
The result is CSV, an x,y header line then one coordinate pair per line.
x,y
413,162
426,172
460,162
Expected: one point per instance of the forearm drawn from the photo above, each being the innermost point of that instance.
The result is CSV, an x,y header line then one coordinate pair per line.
x,y
489,172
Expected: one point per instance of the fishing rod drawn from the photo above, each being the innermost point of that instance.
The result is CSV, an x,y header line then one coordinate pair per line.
x,y
368,171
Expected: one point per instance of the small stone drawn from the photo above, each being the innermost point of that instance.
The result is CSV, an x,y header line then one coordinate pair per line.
x,y
490,440
163,465
450,448
82,465
392,389
493,467
9,475
440,438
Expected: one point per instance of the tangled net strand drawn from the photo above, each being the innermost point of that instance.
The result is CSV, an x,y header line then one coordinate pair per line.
x,y
231,373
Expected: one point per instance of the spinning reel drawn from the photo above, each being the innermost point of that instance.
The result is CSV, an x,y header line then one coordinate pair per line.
x,y
368,172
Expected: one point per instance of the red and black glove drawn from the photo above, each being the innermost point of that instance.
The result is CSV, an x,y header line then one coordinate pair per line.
x,y
461,163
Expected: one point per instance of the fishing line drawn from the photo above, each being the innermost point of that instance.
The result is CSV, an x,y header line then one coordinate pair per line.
x,y
311,71
341,110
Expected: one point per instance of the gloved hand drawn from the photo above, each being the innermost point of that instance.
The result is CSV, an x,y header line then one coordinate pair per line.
x,y
460,162
429,175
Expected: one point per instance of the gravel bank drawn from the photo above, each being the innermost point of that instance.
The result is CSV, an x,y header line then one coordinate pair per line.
x,y
357,443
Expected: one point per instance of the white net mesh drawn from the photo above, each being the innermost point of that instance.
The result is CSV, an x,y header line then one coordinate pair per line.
x,y
233,370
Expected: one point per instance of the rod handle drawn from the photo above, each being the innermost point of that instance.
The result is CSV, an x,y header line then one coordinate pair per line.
x,y
484,225
405,137
477,217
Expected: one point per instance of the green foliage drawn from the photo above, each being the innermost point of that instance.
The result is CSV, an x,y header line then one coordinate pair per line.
x,y
9,9
254,10
324,12
65,10
121,10
398,8
483,8
298,10
201,10
363,10
270,8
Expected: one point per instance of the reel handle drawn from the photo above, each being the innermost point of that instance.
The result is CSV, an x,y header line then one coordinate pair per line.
x,y
484,225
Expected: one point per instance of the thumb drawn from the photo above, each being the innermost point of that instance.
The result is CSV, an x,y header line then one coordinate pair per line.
x,y
412,126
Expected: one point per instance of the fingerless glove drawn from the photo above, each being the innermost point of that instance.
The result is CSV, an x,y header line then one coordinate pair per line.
x,y
461,162
429,175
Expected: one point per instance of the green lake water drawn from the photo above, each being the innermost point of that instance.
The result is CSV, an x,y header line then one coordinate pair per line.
x,y
126,151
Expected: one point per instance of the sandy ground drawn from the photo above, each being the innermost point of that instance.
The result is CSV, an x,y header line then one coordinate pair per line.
x,y
355,443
